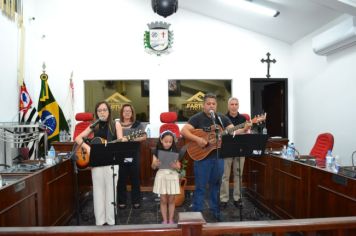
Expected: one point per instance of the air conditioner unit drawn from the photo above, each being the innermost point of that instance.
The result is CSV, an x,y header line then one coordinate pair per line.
x,y
336,38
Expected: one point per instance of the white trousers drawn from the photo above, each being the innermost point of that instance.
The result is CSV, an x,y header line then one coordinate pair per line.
x,y
224,189
103,195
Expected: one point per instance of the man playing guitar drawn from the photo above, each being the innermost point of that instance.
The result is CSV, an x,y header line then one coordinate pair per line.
x,y
237,162
209,169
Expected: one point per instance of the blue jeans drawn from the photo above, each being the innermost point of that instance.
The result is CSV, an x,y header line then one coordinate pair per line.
x,y
209,172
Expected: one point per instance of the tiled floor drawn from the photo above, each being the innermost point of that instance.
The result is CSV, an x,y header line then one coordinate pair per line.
x,y
149,212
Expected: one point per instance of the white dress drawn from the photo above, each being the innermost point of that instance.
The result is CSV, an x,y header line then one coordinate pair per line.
x,y
166,182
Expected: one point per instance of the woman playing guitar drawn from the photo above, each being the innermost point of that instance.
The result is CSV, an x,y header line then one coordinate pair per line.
x,y
109,130
131,166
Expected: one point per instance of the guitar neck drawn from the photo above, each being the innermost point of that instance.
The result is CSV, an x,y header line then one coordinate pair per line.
x,y
232,129
256,120
130,137
120,139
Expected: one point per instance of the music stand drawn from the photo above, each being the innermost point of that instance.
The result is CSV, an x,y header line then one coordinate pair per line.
x,y
112,154
243,145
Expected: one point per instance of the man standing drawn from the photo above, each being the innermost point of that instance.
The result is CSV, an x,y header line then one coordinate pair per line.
x,y
207,170
237,162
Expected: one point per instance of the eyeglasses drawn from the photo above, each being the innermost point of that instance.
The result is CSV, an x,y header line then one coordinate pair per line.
x,y
102,110
127,111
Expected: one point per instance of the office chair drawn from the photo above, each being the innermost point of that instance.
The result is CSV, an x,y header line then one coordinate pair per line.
x,y
247,116
168,119
324,142
84,120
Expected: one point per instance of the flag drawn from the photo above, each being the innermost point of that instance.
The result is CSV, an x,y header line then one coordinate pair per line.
x,y
50,112
28,114
25,99
68,108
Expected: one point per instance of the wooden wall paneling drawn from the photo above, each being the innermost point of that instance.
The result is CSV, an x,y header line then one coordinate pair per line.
x,y
259,178
331,195
146,172
19,203
84,175
58,193
290,188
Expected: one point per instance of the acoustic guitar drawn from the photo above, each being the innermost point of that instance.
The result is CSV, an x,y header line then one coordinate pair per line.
x,y
83,157
198,153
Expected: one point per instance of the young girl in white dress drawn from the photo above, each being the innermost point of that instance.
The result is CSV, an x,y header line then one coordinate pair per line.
x,y
167,180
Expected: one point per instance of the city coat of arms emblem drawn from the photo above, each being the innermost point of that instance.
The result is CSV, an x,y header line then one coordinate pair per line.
x,y
158,40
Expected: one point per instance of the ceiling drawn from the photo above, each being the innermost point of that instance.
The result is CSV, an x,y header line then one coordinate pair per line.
x,y
297,18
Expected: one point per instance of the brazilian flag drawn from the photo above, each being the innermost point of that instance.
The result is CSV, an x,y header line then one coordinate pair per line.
x,y
50,112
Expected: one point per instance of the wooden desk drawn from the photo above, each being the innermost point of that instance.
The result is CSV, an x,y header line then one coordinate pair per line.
x,y
295,190
42,198
84,175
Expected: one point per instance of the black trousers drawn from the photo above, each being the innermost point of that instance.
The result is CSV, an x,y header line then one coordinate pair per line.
x,y
129,170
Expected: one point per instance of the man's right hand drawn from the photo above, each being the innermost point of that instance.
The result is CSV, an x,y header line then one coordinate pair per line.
x,y
201,142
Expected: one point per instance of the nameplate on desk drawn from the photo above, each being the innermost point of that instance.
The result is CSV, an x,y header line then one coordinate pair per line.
x,y
64,155
339,179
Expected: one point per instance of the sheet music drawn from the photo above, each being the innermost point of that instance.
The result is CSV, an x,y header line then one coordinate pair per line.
x,y
166,158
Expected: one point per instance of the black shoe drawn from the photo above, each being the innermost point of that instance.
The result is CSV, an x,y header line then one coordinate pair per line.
x,y
238,203
223,204
136,205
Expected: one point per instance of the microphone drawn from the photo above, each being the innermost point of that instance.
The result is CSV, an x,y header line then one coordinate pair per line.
x,y
212,115
92,126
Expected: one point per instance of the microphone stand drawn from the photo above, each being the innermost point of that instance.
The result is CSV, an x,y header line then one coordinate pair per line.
x,y
217,140
76,187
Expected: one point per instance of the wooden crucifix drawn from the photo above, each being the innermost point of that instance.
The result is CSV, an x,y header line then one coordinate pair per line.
x,y
268,63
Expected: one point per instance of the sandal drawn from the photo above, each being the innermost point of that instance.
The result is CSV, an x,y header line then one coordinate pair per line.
x,y
122,206
136,205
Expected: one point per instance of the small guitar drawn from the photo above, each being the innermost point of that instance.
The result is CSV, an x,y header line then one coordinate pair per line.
x,y
256,120
198,153
83,156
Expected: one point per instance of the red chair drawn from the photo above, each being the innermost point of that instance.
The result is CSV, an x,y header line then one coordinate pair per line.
x,y
169,119
324,142
84,120
247,116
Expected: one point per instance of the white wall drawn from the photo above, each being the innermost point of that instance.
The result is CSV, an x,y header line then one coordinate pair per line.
x,y
8,70
104,40
324,98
